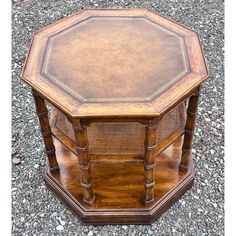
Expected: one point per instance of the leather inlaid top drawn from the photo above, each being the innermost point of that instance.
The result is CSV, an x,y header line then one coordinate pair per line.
x,y
125,58
130,59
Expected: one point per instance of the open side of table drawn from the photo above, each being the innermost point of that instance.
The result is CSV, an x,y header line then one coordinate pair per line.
x,y
124,84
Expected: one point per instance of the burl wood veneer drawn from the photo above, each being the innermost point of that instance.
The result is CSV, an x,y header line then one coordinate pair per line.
x,y
124,84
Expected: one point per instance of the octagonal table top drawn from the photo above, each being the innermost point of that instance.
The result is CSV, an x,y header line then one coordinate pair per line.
x,y
115,62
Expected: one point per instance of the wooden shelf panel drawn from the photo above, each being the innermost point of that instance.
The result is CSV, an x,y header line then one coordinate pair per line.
x,y
119,185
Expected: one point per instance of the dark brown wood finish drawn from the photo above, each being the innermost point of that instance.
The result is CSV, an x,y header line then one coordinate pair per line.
x,y
42,114
122,133
119,187
150,163
82,144
189,130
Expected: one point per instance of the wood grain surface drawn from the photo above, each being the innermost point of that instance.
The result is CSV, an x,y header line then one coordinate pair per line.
x,y
118,187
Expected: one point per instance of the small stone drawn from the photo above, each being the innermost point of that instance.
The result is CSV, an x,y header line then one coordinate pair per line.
x,y
124,227
212,151
27,224
154,226
59,227
16,161
150,232
22,219
54,214
41,215
90,233
36,166
61,221
200,210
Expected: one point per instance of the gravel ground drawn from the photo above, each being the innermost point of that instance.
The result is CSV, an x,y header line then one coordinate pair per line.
x,y
36,211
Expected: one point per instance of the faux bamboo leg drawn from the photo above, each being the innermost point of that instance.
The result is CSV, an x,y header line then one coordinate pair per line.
x,y
42,113
150,163
189,131
84,161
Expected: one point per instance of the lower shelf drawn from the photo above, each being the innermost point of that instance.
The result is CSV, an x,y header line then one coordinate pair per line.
x,y
119,187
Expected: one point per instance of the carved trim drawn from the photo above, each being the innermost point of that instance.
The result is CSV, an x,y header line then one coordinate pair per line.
x,y
151,148
183,168
191,113
147,202
46,133
187,150
149,185
42,114
91,201
86,185
49,152
189,132
84,167
54,169
149,167
82,149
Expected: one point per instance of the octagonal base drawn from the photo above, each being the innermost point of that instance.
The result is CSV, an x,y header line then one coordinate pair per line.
x,y
118,187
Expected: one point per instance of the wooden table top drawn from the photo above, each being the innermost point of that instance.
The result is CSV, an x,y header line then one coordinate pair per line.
x,y
115,62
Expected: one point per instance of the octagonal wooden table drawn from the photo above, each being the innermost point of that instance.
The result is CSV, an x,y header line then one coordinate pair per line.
x,y
124,84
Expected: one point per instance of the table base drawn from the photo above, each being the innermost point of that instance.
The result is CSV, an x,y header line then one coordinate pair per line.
x,y
118,187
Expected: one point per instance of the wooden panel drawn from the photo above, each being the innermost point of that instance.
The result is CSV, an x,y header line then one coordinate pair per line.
x,y
119,185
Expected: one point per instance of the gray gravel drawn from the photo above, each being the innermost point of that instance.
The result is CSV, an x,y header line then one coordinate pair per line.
x,y
36,211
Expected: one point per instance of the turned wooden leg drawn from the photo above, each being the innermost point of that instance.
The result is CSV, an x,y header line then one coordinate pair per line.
x,y
189,131
150,163
84,161
42,113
